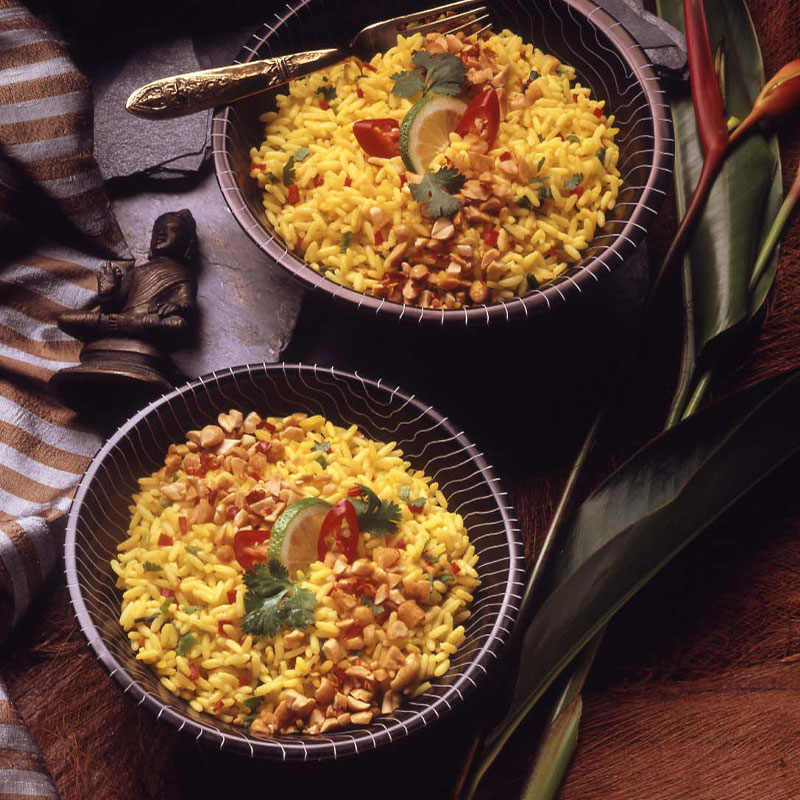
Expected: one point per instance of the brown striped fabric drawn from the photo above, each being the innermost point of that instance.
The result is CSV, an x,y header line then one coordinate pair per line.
x,y
47,171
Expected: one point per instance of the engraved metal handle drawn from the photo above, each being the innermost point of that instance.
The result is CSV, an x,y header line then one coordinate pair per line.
x,y
195,91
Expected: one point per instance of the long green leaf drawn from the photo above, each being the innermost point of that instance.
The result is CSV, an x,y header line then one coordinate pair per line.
x,y
648,510
745,197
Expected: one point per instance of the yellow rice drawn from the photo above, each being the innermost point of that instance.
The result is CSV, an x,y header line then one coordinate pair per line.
x,y
233,668
562,134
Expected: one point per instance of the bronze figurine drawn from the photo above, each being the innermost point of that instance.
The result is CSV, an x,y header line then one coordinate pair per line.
x,y
142,313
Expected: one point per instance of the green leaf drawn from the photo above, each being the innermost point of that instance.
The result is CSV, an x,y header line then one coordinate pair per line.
x,y
376,516
165,606
147,620
644,514
545,193
404,492
149,566
746,195
347,237
365,601
263,614
445,73
534,75
436,189
407,84
195,551
573,138
601,155
327,92
288,169
572,183
321,460
185,644
525,202
323,447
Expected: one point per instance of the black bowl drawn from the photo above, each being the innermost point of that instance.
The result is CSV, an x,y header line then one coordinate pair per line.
x,y
99,518
580,33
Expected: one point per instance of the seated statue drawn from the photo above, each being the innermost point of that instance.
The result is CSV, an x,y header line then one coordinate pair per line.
x,y
152,301
142,313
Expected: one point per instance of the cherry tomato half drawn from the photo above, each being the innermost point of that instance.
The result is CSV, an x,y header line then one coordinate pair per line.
x,y
482,116
334,536
250,546
378,137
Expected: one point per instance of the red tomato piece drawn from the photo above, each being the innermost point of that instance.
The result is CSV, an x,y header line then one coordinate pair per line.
x,y
250,546
378,137
334,536
293,195
482,116
164,540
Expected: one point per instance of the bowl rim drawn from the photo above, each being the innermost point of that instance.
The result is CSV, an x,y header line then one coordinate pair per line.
x,y
318,747
550,296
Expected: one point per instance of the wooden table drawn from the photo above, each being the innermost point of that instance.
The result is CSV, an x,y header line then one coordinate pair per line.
x,y
696,692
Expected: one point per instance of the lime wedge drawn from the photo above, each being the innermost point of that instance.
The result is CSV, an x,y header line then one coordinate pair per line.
x,y
294,536
426,130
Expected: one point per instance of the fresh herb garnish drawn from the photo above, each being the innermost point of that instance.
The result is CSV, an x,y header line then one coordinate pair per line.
x,y
572,183
436,190
165,606
272,601
324,446
288,170
573,138
191,609
321,460
376,516
149,566
415,506
534,75
533,283
365,601
347,237
601,155
253,702
147,620
404,492
525,202
272,177
430,559
545,193
185,644
541,163
195,551
327,92
444,74
445,577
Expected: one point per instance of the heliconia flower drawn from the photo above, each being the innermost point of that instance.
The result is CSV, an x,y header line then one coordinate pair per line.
x,y
780,93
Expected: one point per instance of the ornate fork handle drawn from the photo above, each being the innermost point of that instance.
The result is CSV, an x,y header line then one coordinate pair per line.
x,y
195,91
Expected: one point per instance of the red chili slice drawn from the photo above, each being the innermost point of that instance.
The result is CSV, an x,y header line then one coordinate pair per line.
x,y
359,92
490,237
482,116
194,673
183,524
246,546
244,681
333,535
218,705
164,540
378,137
354,492
167,593
293,195
231,596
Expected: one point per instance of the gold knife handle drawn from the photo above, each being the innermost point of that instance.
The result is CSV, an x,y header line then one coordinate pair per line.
x,y
195,91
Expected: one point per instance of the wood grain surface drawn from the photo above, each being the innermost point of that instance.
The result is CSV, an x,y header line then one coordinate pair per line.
x,y
696,692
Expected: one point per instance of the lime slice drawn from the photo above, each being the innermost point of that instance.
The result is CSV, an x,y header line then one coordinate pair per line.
x,y
426,130
294,536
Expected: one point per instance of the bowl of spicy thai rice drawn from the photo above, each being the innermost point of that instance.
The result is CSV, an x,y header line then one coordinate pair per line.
x,y
453,177
294,562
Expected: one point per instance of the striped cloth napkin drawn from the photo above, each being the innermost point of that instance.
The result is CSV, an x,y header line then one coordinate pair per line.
x,y
56,228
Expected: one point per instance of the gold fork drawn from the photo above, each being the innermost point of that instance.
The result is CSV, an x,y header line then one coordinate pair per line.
x,y
195,91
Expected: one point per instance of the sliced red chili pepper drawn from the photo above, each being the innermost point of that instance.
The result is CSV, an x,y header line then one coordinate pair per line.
x,y
256,165
324,104
415,509
552,250
263,447
255,496
218,705
244,681
183,524
212,496
167,593
482,116
354,492
598,112
293,195
348,181
578,190
379,237
490,237
454,568
232,512
164,540
333,535
267,425
505,156
378,137
255,476
318,180
231,596
246,546
221,623
368,66
359,92
194,673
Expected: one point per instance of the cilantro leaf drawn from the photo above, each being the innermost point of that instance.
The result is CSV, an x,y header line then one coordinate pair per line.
x,y
404,492
407,84
534,75
149,566
541,163
601,155
271,177
185,644
444,74
191,609
436,189
573,138
545,193
573,181
288,170
430,559
165,606
366,601
324,446
525,202
272,601
321,460
253,702
147,620
347,237
376,516
195,551
327,92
